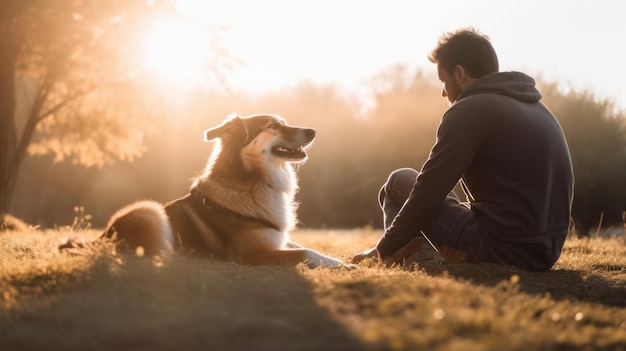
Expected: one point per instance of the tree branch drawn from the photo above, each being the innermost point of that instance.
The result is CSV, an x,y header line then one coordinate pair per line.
x,y
33,117
61,104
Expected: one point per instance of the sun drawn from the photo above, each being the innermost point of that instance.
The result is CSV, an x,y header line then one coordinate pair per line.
x,y
175,51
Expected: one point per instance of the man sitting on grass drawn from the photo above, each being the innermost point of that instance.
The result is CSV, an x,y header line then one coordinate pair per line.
x,y
511,157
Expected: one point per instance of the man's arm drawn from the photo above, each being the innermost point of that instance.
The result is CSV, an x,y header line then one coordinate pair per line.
x,y
458,139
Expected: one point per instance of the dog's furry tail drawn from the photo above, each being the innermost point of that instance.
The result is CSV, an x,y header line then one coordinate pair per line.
x,y
142,224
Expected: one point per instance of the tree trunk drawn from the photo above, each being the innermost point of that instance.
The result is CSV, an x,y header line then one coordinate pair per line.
x,y
9,160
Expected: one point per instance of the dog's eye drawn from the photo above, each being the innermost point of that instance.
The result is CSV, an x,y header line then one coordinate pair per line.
x,y
273,126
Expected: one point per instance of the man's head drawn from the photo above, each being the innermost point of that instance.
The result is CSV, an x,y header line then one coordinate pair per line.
x,y
462,57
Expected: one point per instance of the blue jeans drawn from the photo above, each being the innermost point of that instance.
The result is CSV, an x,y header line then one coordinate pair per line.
x,y
454,230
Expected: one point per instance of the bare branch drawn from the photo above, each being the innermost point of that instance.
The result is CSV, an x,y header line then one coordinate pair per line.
x,y
33,117
63,103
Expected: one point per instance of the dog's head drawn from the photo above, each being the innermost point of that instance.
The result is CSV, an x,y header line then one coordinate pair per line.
x,y
251,169
264,136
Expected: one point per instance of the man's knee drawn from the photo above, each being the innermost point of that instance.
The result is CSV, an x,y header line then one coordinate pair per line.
x,y
402,178
398,181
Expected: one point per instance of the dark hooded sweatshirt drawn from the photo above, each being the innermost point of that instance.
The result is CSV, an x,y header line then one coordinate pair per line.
x,y
513,161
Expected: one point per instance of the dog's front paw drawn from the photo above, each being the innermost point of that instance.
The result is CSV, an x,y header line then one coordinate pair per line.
x,y
315,259
349,266
331,262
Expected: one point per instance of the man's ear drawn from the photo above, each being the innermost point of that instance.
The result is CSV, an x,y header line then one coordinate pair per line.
x,y
462,77
460,74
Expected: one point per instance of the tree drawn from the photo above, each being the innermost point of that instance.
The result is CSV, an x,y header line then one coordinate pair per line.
x,y
73,65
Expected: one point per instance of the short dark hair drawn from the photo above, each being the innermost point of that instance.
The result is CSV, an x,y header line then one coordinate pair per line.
x,y
466,47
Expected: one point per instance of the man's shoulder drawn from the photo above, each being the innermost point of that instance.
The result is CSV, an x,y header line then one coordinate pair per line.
x,y
477,104
480,99
488,103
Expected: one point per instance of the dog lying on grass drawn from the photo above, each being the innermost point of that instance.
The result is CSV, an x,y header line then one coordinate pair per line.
x,y
241,208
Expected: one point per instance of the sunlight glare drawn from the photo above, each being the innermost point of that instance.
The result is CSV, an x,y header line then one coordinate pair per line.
x,y
174,51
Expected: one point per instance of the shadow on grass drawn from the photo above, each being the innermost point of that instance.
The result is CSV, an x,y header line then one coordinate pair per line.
x,y
180,304
561,284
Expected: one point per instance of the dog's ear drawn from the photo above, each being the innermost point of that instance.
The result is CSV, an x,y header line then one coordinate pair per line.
x,y
232,126
214,132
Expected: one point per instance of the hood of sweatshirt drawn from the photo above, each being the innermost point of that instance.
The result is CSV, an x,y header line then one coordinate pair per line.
x,y
514,84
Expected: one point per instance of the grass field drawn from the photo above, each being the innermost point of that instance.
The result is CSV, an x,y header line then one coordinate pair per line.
x,y
96,299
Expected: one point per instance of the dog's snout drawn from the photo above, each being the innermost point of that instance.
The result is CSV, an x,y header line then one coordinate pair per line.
x,y
310,133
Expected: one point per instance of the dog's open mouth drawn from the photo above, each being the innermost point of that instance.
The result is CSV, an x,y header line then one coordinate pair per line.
x,y
287,152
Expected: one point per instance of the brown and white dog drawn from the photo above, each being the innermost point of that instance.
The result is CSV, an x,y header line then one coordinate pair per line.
x,y
241,208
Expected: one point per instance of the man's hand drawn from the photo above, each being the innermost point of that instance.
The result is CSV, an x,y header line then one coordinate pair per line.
x,y
369,253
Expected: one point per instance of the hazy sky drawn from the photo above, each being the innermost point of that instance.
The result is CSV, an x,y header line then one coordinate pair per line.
x,y
576,43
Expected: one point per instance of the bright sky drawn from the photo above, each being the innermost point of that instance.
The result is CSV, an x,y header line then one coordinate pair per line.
x,y
577,43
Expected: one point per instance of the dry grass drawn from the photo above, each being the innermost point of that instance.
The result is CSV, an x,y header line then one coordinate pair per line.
x,y
98,300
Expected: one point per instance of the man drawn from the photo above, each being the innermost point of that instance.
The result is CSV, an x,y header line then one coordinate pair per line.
x,y
511,157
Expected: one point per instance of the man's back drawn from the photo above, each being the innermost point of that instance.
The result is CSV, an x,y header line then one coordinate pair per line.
x,y
520,179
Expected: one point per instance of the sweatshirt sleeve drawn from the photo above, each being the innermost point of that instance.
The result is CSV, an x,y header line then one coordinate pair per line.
x,y
458,139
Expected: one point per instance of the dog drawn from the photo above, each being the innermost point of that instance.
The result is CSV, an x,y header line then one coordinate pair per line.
x,y
241,208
